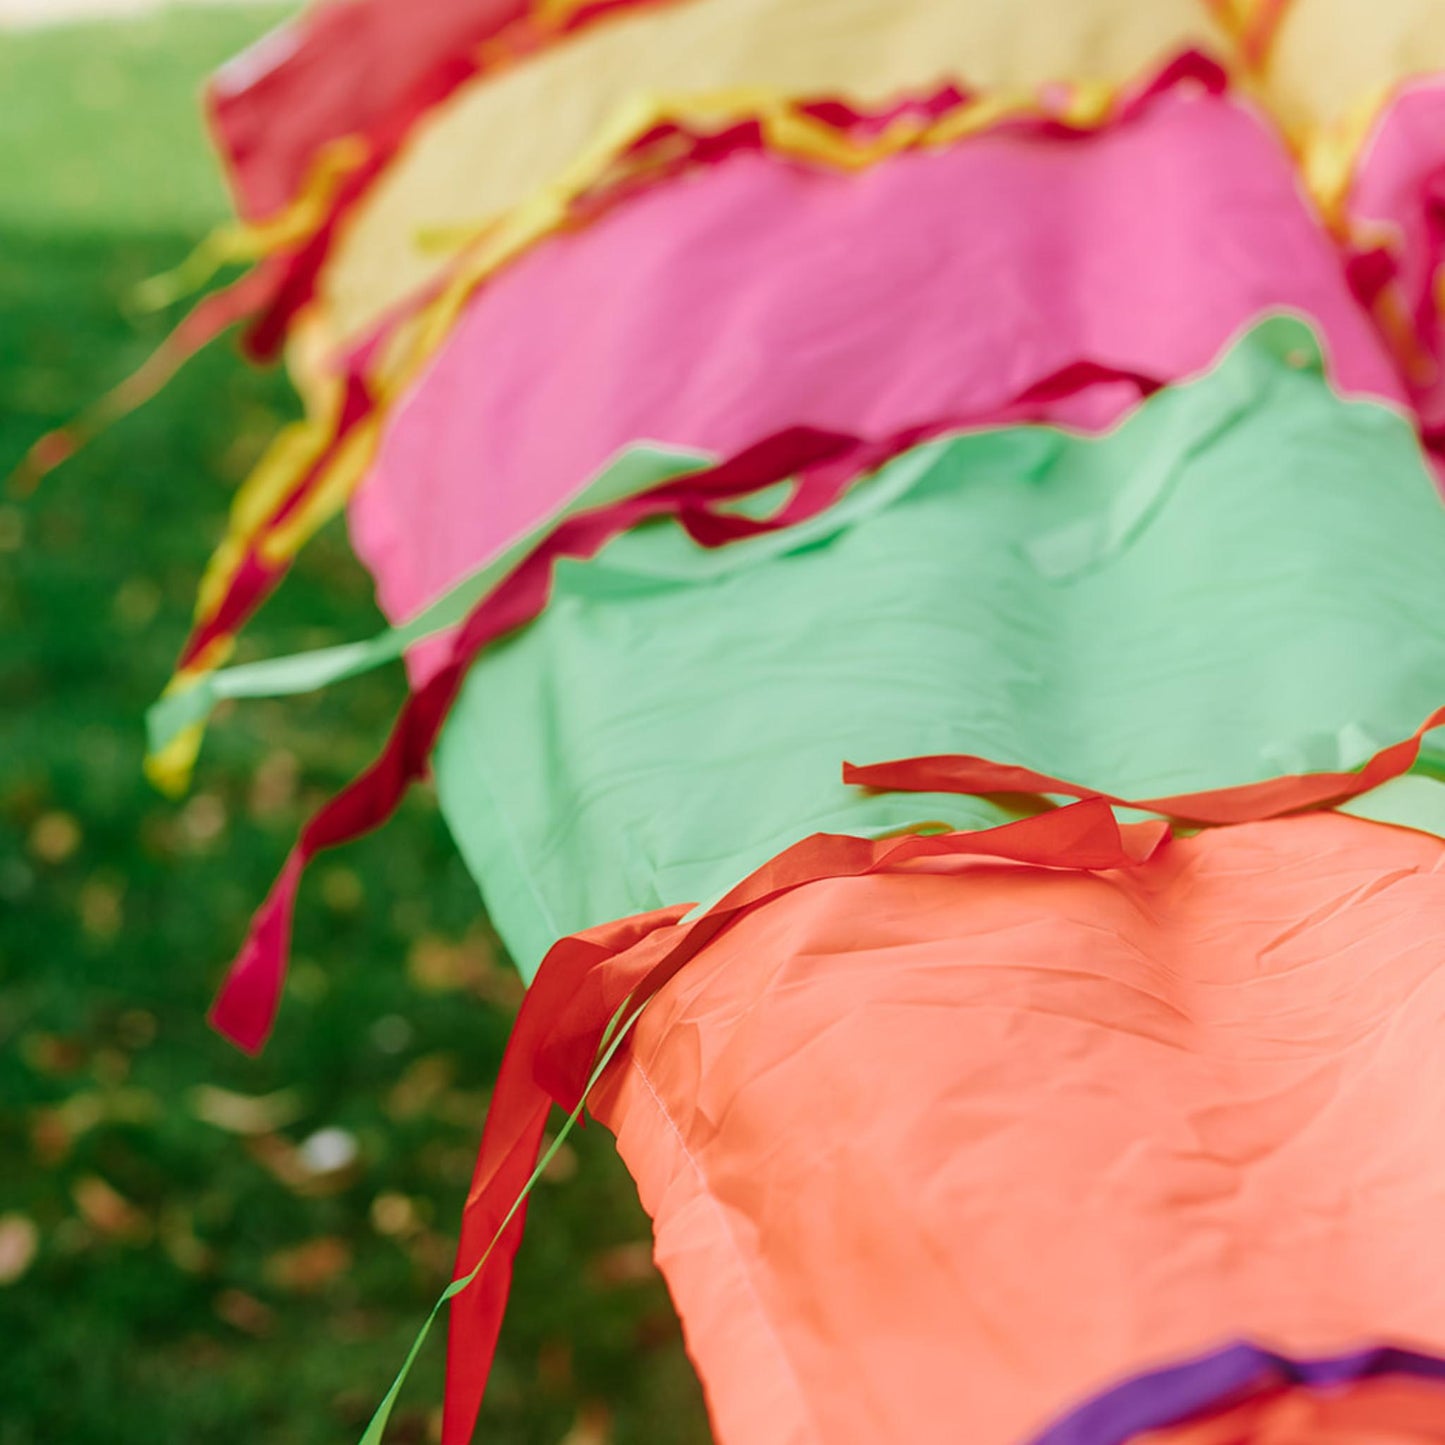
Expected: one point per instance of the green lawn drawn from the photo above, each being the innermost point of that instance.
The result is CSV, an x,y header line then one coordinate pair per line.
x,y
198,1275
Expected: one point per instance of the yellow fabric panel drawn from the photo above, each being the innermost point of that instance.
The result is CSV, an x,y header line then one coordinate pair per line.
x,y
1330,55
501,139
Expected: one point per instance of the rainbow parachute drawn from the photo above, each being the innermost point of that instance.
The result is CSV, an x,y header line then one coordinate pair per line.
x,y
914,530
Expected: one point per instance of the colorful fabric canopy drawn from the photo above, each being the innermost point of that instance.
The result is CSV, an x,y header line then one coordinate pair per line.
x,y
312,471
883,301
1317,60
989,587
1112,1136
592,980
913,533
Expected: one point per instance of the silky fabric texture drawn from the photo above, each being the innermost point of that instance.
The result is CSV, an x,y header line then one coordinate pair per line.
x,y
1239,582
499,140
760,295
935,1155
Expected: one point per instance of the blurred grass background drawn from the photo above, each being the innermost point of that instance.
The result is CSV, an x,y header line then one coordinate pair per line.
x,y
195,1246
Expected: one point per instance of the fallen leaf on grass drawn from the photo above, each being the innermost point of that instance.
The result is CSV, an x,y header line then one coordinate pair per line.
x,y
54,1129
54,837
19,1241
394,1215
108,1211
182,1246
101,907
423,1082
244,1312
310,1266
52,1054
247,1114
437,965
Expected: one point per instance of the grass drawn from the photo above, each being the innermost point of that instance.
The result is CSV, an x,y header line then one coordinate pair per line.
x,y
198,1273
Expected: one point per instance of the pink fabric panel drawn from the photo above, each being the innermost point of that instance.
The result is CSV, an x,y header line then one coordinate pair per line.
x,y
760,294
1398,201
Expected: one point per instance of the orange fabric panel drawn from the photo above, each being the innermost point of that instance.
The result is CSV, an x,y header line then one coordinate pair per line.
x,y
942,1152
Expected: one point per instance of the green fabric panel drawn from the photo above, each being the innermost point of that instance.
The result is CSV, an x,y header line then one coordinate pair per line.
x,y
1243,579
1414,801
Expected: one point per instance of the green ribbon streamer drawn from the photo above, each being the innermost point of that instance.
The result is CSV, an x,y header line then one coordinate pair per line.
x,y
638,469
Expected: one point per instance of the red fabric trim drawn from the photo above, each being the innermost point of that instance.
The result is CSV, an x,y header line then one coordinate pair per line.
x,y
1269,799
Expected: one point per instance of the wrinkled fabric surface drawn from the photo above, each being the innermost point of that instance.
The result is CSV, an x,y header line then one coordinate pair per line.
x,y
1386,198
499,140
436,91
306,478
357,78
1051,1133
1240,581
372,67
762,294
511,134
943,1153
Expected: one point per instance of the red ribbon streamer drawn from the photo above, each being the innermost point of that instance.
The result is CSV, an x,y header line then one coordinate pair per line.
x,y
1249,803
